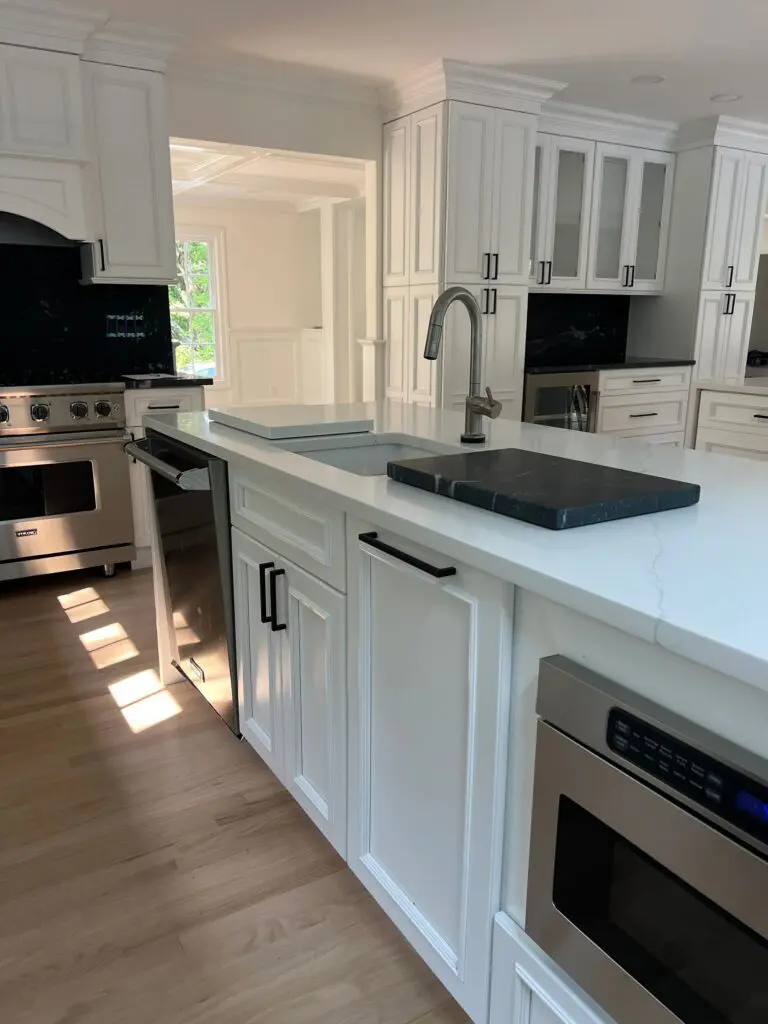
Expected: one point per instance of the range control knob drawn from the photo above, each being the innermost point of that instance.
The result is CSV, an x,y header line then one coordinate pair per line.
x,y
5,416
103,409
40,412
79,410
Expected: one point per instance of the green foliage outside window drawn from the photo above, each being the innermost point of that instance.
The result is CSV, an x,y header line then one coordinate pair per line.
x,y
193,310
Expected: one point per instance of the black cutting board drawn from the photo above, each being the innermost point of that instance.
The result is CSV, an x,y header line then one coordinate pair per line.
x,y
544,489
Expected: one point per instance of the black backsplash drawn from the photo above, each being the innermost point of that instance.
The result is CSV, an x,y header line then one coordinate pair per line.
x,y
569,330
58,331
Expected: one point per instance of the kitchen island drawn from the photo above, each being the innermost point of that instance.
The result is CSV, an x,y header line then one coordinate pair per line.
x,y
398,703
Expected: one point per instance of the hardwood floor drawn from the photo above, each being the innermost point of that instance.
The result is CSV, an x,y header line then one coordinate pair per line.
x,y
164,875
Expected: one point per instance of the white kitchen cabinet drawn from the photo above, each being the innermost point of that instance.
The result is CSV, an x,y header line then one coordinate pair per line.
x,y
410,377
141,501
730,442
737,207
395,320
562,200
526,989
396,200
429,689
133,202
291,656
722,335
489,194
629,230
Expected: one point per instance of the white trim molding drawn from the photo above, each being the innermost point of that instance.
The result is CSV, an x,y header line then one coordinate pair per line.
x,y
720,130
131,46
568,119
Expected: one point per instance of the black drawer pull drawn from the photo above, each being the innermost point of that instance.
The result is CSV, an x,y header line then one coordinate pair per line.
x,y
486,266
274,573
647,380
729,282
760,416
265,616
156,407
641,415
495,266
372,540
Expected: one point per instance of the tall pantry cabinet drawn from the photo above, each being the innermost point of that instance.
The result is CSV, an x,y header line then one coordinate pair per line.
x,y
457,208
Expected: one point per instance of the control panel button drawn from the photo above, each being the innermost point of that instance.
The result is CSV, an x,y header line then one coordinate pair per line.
x,y
622,727
698,770
39,412
103,409
78,410
5,416
714,781
620,743
713,795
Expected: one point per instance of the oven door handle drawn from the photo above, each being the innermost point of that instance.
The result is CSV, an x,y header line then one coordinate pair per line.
x,y
36,441
185,480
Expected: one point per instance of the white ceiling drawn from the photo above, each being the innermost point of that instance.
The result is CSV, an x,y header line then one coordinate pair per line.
x,y
702,47
205,172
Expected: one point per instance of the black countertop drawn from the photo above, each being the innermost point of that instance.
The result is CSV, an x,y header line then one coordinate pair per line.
x,y
627,364
163,380
544,490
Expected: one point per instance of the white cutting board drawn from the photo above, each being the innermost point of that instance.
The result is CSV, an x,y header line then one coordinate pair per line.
x,y
283,421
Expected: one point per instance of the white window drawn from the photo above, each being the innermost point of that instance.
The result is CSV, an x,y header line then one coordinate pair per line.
x,y
195,307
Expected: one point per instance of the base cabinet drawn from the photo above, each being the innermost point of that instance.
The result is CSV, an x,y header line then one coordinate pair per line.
x,y
291,657
526,990
429,690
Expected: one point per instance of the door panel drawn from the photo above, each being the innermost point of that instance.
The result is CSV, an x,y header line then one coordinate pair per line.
x,y
396,211
723,217
652,231
505,342
736,347
470,187
426,185
612,215
751,220
454,370
422,373
395,334
572,164
711,332
514,146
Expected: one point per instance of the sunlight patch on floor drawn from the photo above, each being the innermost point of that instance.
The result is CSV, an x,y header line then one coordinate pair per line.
x,y
89,610
108,645
158,707
136,687
185,635
78,597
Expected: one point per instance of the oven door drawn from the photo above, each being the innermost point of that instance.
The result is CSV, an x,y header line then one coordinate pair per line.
x,y
659,916
61,496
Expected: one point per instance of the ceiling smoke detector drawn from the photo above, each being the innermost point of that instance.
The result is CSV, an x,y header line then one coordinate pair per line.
x,y
726,97
648,79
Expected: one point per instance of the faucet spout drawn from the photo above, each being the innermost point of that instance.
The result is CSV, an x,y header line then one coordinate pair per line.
x,y
477,405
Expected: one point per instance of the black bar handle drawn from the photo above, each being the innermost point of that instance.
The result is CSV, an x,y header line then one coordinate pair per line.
x,y
495,301
549,271
729,282
641,415
624,275
486,299
543,266
760,416
495,266
274,573
632,280
647,380
101,254
486,266
372,540
265,616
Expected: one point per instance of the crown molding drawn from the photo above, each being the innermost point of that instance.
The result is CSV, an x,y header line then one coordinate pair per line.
x,y
605,126
720,130
47,26
131,46
296,80
473,83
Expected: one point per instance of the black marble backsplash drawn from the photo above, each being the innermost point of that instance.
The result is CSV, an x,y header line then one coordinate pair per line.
x,y
570,330
58,331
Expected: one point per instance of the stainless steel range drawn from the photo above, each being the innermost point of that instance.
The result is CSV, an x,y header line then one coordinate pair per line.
x,y
65,499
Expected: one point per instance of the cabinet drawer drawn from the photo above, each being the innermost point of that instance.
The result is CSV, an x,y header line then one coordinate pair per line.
x,y
731,411
673,378
733,442
287,517
641,413
665,439
138,404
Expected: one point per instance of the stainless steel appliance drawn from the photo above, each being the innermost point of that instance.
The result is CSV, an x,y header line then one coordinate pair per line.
x,y
648,867
65,499
191,502
567,400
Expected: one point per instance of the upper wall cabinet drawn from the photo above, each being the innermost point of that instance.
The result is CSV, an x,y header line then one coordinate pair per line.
x,y
489,192
413,207
41,104
631,201
735,224
132,188
562,198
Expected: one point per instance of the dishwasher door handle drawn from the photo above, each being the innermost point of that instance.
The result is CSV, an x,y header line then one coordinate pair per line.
x,y
185,480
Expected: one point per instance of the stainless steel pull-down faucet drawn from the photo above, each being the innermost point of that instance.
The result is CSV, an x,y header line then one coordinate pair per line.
x,y
477,405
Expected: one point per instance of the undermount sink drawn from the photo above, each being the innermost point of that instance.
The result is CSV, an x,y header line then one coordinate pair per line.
x,y
367,454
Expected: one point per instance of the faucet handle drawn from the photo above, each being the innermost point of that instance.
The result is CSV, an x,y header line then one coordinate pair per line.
x,y
494,407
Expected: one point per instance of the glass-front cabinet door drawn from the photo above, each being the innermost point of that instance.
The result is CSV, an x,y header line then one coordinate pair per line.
x,y
655,195
562,201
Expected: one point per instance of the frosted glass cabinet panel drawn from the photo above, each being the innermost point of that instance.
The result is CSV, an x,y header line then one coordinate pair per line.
x,y
569,210
650,226
612,226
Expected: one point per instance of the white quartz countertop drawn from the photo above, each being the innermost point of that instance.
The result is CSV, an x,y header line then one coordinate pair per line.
x,y
691,580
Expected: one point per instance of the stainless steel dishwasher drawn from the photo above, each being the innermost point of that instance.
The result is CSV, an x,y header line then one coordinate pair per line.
x,y
191,503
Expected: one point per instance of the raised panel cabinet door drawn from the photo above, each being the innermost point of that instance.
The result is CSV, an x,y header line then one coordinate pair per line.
x,y
723,218
711,335
541,210
426,189
470,178
429,691
648,257
42,103
395,315
396,206
513,173
314,684
614,209
422,373
505,342
736,339
454,356
750,223
134,176
258,657
568,234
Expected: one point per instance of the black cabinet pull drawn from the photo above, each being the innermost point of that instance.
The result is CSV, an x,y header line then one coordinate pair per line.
x,y
543,266
647,380
372,540
549,272
625,275
486,266
730,304
485,298
274,573
265,616
495,266
641,415
495,301
101,254
632,279
729,282
760,416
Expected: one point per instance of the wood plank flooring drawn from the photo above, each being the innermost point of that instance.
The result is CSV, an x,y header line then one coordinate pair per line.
x,y
164,875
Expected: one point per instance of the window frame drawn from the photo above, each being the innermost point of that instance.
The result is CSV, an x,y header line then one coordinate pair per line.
x,y
214,239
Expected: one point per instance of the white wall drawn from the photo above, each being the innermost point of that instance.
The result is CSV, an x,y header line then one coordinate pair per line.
x,y
271,259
